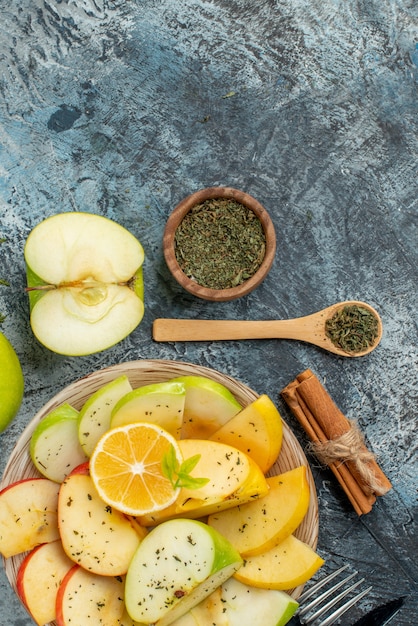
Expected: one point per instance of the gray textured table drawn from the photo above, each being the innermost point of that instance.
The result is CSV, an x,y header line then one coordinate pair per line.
x,y
123,108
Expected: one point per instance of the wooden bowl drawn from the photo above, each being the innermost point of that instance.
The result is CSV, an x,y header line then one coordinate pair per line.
x,y
176,217
141,373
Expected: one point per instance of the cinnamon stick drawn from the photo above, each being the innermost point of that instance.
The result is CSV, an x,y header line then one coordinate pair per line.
x,y
336,441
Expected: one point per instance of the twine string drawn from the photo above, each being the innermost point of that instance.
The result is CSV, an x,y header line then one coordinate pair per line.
x,y
349,446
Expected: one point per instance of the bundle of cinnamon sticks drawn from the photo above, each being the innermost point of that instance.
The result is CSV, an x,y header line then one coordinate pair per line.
x,y
336,441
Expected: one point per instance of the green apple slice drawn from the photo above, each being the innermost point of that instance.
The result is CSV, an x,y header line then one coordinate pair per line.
x,y
95,414
85,284
54,446
209,405
243,605
177,565
159,403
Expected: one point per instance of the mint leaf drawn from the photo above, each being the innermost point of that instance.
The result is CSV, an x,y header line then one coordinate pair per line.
x,y
179,475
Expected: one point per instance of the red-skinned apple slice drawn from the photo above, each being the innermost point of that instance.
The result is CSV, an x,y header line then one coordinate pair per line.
x,y
28,515
86,598
39,577
95,536
84,275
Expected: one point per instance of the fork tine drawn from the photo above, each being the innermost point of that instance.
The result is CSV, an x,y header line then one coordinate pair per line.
x,y
341,610
321,583
335,600
311,605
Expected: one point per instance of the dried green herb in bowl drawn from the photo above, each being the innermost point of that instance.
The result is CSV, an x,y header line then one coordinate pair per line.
x,y
219,243
353,328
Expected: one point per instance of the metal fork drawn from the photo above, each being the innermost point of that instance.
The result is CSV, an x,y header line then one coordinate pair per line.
x,y
309,612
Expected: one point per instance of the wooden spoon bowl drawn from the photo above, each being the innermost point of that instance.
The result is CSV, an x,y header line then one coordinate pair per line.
x,y
310,329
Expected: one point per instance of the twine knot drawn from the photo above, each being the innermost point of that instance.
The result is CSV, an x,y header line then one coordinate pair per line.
x,y
349,446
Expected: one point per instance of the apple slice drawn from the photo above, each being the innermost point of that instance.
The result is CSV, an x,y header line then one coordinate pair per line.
x,y
243,605
159,403
95,414
95,536
39,577
54,446
287,565
263,523
208,406
178,564
28,515
234,478
256,430
85,598
85,285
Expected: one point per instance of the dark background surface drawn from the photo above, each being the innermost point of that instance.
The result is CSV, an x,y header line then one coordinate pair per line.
x,y
124,108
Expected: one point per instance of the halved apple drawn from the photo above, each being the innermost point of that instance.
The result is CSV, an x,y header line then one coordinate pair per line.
x,y
256,430
85,284
93,534
96,412
208,406
259,525
28,515
234,478
54,446
86,598
178,564
159,403
39,577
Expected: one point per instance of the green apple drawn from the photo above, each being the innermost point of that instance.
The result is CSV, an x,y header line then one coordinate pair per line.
x,y
85,284
177,565
209,405
54,446
95,414
160,403
11,383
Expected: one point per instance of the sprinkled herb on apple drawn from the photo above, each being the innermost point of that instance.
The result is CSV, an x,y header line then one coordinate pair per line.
x,y
85,284
179,563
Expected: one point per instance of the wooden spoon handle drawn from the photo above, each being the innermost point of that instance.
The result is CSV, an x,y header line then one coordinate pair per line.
x,y
210,330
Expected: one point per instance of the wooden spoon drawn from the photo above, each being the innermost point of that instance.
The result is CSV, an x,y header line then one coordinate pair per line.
x,y
310,328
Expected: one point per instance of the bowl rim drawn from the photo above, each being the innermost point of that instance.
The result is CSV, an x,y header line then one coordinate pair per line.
x,y
177,215
142,372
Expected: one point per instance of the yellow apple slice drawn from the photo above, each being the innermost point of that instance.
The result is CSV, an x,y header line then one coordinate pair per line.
x,y
28,515
256,430
263,523
84,275
159,403
287,565
208,406
94,535
39,577
234,478
95,414
86,598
